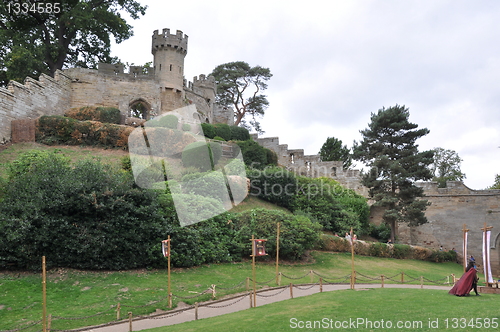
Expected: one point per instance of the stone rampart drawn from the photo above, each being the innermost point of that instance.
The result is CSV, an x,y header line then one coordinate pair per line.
x,y
311,165
450,209
47,96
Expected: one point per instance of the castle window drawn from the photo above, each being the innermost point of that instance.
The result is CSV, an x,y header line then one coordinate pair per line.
x,y
160,66
334,171
170,67
291,158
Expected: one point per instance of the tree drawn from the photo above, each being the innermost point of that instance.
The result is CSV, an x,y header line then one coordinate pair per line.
x,y
446,167
240,86
388,148
44,36
496,185
332,150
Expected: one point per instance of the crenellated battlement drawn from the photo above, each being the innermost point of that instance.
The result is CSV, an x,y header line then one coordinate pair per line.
x,y
118,69
203,82
167,40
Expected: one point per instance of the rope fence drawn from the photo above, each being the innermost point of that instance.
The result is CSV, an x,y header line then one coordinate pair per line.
x,y
321,281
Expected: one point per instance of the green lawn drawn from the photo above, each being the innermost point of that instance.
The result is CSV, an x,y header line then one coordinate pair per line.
x,y
80,294
360,310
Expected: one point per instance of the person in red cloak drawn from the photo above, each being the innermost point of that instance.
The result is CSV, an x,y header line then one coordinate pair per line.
x,y
467,282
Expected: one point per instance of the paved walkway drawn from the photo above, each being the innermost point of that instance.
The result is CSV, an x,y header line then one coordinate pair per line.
x,y
241,302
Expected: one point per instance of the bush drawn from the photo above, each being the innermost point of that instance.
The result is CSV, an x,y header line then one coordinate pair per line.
x,y
223,130
186,127
201,155
208,130
254,155
218,138
92,113
381,232
63,130
168,121
69,214
239,133
273,184
297,233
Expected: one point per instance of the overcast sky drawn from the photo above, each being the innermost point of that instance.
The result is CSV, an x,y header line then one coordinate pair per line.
x,y
336,62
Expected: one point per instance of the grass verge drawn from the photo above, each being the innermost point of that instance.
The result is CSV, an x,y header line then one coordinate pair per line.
x,y
368,310
92,296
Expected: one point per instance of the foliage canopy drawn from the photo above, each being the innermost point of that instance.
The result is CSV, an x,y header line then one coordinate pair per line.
x,y
389,148
71,33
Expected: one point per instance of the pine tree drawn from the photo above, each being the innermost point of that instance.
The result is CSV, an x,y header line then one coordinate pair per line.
x,y
388,148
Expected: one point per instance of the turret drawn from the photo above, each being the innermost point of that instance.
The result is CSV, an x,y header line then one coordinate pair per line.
x,y
169,51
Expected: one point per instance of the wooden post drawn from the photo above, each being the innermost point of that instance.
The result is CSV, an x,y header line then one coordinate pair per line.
x,y
213,292
382,278
352,260
321,285
248,284
402,277
421,281
169,285
130,321
253,274
250,293
44,296
277,253
464,247
49,322
118,307
196,310
291,290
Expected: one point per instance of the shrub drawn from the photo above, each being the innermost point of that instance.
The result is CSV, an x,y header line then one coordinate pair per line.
x,y
297,233
208,130
69,213
209,184
273,184
92,113
201,155
254,155
381,232
379,250
54,129
64,130
218,138
186,127
223,130
239,133
168,121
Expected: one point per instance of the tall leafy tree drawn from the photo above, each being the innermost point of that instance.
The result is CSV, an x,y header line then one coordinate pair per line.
x,y
496,185
389,148
446,167
44,36
240,86
332,150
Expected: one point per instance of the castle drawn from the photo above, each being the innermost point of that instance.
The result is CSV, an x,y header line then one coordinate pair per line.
x,y
159,89
162,88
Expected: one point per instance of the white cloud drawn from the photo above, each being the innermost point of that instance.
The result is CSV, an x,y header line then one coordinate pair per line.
x,y
335,64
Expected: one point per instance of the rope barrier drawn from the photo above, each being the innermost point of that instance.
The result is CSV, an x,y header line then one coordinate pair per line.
x,y
325,281
281,291
305,275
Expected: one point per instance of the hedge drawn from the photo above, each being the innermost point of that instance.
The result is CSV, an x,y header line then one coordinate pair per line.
x,y
378,249
56,129
92,113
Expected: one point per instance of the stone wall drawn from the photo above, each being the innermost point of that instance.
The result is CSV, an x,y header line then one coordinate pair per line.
x,y
93,87
47,96
450,209
311,165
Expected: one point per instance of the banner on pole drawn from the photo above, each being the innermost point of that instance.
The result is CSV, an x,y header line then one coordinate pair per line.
x,y
486,257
